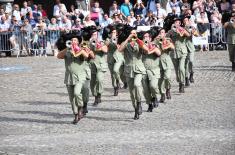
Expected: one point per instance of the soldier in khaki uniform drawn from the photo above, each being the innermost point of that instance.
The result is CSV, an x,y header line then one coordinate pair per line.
x,y
178,36
115,59
86,35
151,63
98,66
191,50
166,65
230,27
134,68
75,73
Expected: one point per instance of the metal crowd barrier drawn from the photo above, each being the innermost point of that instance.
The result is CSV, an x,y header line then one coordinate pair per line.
x,y
32,43
40,42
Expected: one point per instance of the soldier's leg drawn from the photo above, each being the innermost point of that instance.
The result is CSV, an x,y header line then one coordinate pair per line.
x,y
146,89
167,79
187,69
231,49
138,86
176,66
116,70
191,63
78,94
99,82
85,95
182,73
112,73
92,84
130,82
70,89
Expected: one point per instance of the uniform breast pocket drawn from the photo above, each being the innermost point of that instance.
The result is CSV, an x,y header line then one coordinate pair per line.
x,y
104,67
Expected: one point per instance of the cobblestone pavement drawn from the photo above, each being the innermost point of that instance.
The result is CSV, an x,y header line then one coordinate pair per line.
x,y
35,115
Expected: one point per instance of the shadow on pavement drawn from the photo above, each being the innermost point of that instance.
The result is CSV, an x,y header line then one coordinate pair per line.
x,y
110,110
31,120
42,113
43,103
214,68
109,119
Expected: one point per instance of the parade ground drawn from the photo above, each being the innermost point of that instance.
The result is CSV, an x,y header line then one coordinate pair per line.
x,y
36,116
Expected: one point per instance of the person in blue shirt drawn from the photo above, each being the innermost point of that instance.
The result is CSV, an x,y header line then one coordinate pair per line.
x,y
125,8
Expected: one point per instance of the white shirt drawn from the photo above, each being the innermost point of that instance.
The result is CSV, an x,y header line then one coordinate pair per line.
x,y
16,13
24,11
56,9
4,26
105,23
161,13
152,5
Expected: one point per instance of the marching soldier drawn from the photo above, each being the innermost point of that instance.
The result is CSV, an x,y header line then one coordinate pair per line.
x,y
178,36
134,69
86,35
151,63
75,74
230,27
98,66
166,65
191,50
115,59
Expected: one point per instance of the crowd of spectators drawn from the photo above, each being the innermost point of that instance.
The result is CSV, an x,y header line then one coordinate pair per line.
x,y
32,17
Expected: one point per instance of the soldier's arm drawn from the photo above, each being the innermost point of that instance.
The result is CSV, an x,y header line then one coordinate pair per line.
x,y
155,50
61,54
104,49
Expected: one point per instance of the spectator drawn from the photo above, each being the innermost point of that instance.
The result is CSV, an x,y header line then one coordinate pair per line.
x,y
129,21
132,15
66,24
150,20
96,13
224,6
53,26
139,7
4,25
15,39
88,21
113,9
43,12
151,6
106,21
198,6
185,6
77,25
139,21
53,34
160,15
26,10
176,5
210,7
81,5
8,17
16,12
203,26
26,30
59,9
36,13
125,8
116,19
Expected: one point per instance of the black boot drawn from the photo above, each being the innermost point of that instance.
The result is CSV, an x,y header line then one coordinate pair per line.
x,y
181,88
85,111
163,98
233,66
139,108
150,108
125,85
168,94
80,113
96,101
136,116
155,102
76,119
191,78
116,91
99,98
187,82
